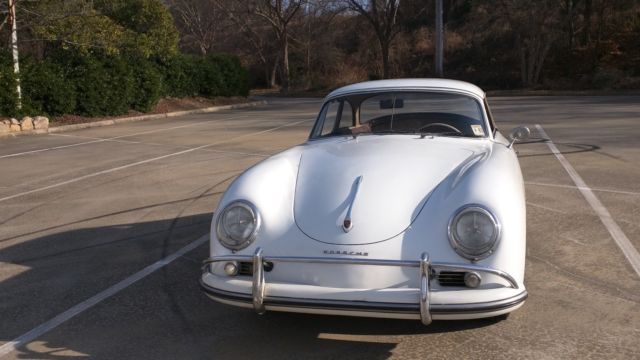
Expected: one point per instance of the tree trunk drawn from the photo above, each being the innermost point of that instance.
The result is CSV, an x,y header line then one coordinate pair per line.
x,y
274,70
285,60
523,62
439,40
308,65
384,47
541,58
570,23
533,54
14,49
586,28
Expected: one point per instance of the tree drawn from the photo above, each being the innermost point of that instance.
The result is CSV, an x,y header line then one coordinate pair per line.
x,y
586,29
279,13
140,27
199,22
315,34
251,31
151,30
535,26
382,16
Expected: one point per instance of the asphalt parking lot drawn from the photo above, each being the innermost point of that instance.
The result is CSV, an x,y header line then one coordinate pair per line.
x,y
102,234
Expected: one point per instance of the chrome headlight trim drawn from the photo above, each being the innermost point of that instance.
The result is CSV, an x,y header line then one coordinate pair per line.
x,y
224,238
456,243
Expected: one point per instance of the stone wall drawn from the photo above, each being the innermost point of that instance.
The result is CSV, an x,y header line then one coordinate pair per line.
x,y
26,124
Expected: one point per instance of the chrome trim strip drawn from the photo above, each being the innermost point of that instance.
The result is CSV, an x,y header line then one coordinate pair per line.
x,y
222,234
456,244
257,289
425,269
385,307
444,266
347,224
424,308
436,89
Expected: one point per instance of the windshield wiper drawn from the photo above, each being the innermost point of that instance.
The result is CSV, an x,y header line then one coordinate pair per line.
x,y
446,133
391,131
422,134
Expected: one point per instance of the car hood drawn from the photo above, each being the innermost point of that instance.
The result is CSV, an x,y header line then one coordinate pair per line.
x,y
397,173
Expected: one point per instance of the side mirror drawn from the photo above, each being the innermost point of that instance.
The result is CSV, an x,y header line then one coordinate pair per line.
x,y
518,134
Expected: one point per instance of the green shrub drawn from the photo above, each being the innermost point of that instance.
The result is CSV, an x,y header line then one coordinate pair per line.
x,y
46,90
213,75
147,88
98,84
8,93
180,76
151,29
222,75
234,79
104,83
210,79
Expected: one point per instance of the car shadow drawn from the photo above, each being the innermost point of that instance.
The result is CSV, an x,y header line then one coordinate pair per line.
x,y
575,148
164,315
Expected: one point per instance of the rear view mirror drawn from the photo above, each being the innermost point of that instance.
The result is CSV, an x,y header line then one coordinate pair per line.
x,y
391,104
518,134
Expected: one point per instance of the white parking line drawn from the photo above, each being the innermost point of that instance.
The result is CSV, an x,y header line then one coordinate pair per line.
x,y
96,299
545,207
144,162
617,234
168,145
576,187
112,138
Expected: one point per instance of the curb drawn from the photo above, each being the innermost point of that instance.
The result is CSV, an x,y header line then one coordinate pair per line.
x,y
63,128
576,93
101,123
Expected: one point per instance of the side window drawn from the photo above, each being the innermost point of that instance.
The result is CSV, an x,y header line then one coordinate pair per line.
x,y
329,118
337,115
346,116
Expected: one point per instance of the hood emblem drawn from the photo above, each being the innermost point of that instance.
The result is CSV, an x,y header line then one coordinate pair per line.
x,y
347,224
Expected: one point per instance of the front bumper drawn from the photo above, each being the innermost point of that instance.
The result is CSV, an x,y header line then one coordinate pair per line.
x,y
423,309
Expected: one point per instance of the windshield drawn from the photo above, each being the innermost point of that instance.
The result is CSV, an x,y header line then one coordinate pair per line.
x,y
427,113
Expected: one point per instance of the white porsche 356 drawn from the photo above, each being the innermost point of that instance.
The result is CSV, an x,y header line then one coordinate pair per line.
x,y
405,202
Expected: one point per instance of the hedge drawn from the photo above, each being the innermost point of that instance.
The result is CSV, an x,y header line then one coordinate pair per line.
x,y
147,87
213,75
181,76
8,95
46,90
97,84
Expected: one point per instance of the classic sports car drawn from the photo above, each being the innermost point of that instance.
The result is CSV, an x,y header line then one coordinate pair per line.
x,y
405,202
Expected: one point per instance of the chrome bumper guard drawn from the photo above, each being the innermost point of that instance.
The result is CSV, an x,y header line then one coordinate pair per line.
x,y
426,268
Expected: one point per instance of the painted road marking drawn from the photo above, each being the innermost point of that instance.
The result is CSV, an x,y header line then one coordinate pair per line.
x,y
112,138
617,234
577,187
545,207
96,299
168,145
107,171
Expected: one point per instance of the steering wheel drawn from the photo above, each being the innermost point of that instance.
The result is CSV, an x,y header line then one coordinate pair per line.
x,y
451,127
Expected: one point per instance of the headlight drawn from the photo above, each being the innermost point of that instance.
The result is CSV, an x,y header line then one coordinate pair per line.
x,y
474,232
237,225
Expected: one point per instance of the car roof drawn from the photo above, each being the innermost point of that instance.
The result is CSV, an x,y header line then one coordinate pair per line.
x,y
408,84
